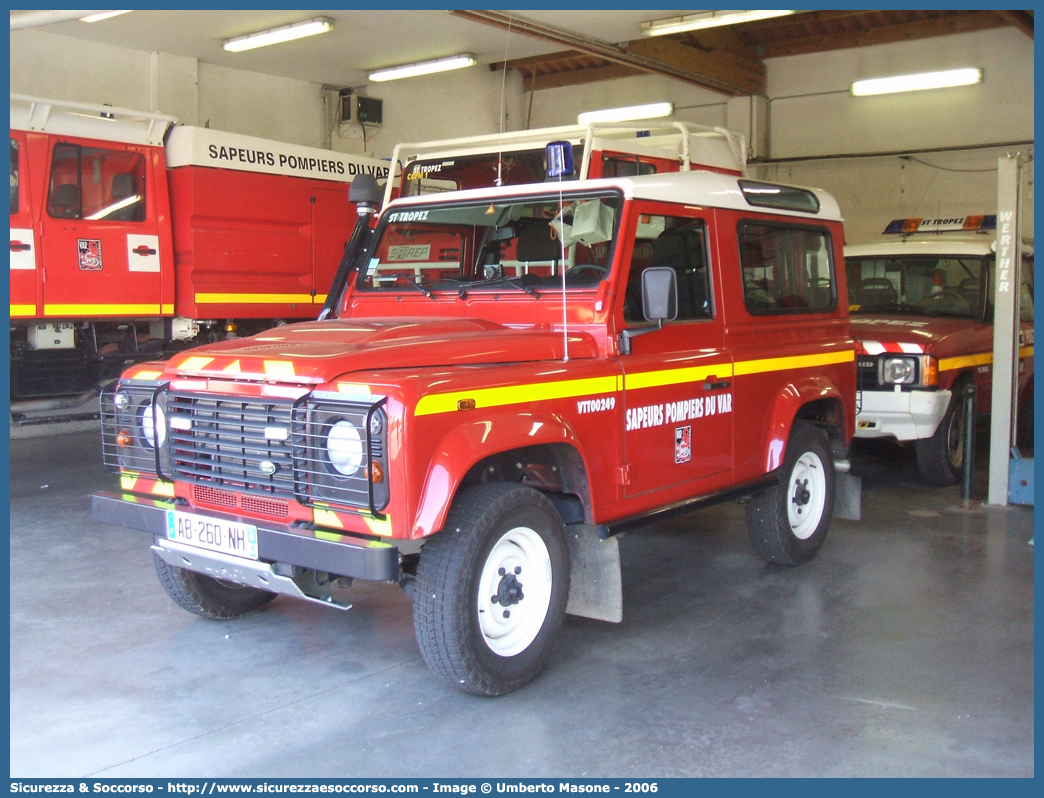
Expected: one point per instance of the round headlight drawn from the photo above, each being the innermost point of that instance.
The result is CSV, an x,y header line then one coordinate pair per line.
x,y
899,370
153,426
344,447
122,401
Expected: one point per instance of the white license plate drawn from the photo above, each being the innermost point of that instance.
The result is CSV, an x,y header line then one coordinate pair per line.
x,y
212,533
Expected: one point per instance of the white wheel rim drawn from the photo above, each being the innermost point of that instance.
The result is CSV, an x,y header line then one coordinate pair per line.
x,y
806,495
518,560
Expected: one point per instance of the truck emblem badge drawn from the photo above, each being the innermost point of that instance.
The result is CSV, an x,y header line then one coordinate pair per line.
x,y
89,250
267,467
682,444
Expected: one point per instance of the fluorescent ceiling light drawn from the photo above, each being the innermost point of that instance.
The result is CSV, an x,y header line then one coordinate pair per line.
x,y
424,68
651,111
706,19
102,15
286,33
924,80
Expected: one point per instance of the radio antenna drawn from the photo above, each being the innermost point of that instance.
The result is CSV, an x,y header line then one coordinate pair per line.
x,y
562,267
503,103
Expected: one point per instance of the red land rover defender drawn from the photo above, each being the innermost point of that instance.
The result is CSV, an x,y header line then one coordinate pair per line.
x,y
922,311
511,377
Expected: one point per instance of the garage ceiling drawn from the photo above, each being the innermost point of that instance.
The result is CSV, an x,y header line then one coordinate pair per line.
x,y
549,48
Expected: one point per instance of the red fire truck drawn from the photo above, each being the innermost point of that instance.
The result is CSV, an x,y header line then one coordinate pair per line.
x,y
922,311
604,150
511,376
129,233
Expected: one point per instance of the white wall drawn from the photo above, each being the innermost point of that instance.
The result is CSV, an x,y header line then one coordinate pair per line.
x,y
812,115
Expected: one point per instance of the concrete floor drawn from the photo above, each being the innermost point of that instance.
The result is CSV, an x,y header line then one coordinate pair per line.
x,y
904,649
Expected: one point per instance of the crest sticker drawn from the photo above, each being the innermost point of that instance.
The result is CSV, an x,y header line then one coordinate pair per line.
x,y
89,250
682,444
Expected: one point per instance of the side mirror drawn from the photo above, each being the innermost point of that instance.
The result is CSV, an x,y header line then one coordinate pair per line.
x,y
659,294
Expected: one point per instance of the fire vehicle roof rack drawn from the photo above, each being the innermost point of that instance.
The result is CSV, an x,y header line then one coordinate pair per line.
x,y
89,120
654,136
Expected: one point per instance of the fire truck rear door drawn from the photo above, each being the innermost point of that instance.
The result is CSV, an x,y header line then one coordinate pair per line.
x,y
677,381
101,243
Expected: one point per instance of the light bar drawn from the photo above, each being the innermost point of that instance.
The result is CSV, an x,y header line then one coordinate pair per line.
x,y
706,19
102,15
286,33
923,80
424,68
626,114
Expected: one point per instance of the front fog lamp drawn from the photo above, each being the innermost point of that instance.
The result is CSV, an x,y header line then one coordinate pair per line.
x,y
344,448
153,426
899,370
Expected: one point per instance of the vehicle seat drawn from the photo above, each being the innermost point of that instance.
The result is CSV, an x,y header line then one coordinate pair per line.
x,y
65,201
123,187
876,292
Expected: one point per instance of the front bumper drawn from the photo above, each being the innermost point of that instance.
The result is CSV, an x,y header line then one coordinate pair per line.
x,y
278,545
906,416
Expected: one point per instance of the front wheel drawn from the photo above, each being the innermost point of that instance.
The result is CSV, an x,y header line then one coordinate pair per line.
x,y
209,597
491,589
940,458
788,522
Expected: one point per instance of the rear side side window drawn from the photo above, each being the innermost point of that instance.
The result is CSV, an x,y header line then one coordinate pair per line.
x,y
96,184
786,269
626,167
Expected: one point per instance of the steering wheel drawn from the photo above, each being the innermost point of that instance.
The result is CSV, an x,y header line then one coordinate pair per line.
x,y
582,269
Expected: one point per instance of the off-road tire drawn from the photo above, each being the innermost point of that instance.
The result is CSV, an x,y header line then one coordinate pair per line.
x,y
481,531
209,597
777,536
941,457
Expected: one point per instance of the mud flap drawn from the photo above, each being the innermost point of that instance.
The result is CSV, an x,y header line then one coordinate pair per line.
x,y
595,589
848,496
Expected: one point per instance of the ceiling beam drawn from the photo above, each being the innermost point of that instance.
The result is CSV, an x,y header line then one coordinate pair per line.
x,y
721,64
886,34
611,52
577,77
1022,20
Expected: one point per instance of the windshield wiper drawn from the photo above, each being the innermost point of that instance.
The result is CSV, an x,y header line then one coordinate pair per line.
x,y
463,292
409,278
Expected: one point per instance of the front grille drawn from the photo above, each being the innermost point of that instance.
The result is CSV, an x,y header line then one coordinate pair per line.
x,y
231,443
256,454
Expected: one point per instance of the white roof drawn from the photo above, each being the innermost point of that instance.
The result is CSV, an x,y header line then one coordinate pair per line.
x,y
703,188
936,245
85,120
199,146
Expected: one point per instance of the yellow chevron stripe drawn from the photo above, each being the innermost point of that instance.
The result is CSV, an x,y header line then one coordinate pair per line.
x,y
102,310
565,389
196,363
23,310
254,299
279,368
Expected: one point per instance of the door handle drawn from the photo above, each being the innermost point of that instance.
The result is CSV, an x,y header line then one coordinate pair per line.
x,y
143,250
18,246
716,386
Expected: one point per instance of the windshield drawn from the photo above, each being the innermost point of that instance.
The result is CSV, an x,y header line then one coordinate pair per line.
x,y
526,244
929,285
517,168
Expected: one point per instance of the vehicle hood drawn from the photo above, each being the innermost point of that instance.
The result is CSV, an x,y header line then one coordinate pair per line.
x,y
319,351
907,333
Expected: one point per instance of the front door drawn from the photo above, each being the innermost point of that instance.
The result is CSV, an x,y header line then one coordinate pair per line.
x,y
24,242
101,244
677,380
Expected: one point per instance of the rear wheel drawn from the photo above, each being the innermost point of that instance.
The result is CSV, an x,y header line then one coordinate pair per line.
x,y
209,597
491,589
941,457
788,522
